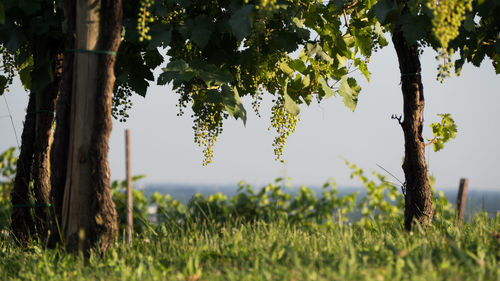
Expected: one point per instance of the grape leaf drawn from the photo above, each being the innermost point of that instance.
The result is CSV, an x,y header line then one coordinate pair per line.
x,y
16,39
326,89
240,22
385,10
214,76
2,13
232,103
201,33
298,65
291,106
161,35
349,91
3,84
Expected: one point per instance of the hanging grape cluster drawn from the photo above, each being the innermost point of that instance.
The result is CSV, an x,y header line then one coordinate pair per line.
x,y
8,68
145,17
121,102
207,127
284,123
446,65
448,16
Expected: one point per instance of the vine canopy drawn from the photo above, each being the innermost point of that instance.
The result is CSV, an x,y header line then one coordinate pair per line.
x,y
294,50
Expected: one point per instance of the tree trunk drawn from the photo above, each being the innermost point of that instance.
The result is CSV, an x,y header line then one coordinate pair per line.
x,y
45,108
418,197
60,145
22,221
89,217
33,163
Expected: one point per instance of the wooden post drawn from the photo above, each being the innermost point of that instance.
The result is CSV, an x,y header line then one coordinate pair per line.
x,y
461,199
78,190
130,222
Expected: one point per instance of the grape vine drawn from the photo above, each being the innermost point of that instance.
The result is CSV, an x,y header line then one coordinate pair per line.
x,y
221,51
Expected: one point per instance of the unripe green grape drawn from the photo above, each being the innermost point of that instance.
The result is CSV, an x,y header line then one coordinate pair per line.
x,y
284,123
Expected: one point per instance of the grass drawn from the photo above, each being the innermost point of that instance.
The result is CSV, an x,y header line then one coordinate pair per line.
x,y
276,250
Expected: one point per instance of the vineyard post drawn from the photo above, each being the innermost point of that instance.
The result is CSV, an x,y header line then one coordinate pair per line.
x,y
461,199
129,186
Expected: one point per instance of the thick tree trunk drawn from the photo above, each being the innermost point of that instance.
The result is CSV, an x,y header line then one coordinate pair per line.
x,y
22,221
102,201
60,145
31,220
45,108
418,197
89,217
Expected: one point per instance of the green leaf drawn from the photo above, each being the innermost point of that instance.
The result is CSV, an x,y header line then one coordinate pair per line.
x,y
161,35
413,28
364,43
232,103
153,58
201,32
240,22
370,3
286,41
349,90
385,10
438,145
3,84
380,33
363,68
291,106
177,65
41,76
298,65
316,49
329,92
215,77
286,68
443,131
160,9
177,69
25,77
30,6
16,39
2,13
468,23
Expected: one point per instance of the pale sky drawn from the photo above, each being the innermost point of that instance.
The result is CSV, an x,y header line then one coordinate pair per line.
x,y
163,147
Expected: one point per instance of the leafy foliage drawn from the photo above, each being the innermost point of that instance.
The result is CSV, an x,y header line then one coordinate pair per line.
x,y
374,205
382,202
221,51
24,28
478,37
140,205
8,164
443,131
470,27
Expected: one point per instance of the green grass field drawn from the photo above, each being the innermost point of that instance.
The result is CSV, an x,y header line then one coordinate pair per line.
x,y
268,234
277,250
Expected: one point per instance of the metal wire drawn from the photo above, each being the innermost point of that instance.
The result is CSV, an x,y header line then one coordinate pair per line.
x,y
12,122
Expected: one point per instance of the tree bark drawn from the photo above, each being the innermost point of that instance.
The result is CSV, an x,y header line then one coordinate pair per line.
x,y
22,221
45,108
418,196
89,218
60,145
31,220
